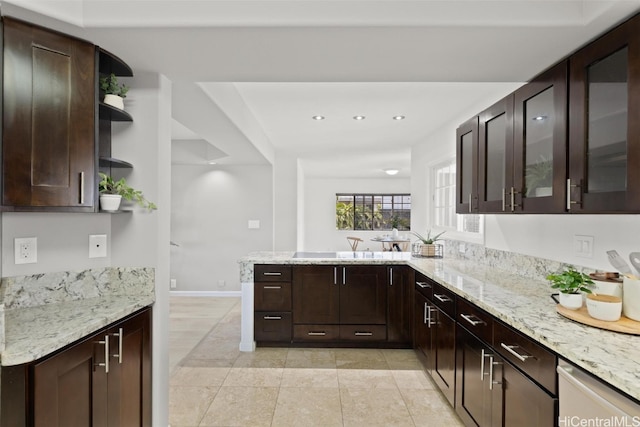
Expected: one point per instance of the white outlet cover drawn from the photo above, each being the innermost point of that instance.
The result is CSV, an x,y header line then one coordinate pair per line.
x,y
26,250
97,246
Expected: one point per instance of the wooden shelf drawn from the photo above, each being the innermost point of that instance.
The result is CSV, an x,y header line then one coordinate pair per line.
x,y
119,211
109,63
114,163
107,112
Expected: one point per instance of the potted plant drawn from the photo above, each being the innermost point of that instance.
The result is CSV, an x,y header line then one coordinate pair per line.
x,y
112,192
571,283
114,93
395,223
427,247
538,177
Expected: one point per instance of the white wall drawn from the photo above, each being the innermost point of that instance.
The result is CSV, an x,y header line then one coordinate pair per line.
x,y
211,207
320,232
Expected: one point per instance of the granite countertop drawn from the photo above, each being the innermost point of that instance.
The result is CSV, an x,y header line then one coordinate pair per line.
x,y
520,302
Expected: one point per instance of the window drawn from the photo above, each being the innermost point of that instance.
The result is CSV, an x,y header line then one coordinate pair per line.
x,y
373,211
444,202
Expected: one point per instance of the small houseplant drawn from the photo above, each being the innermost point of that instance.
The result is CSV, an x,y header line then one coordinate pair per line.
x,y
111,190
114,92
539,178
571,283
427,247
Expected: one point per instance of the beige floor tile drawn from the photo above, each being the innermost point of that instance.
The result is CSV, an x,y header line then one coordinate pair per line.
x,y
253,377
429,408
311,358
360,359
198,376
187,405
309,378
216,350
242,406
374,407
412,380
366,379
208,363
262,358
307,407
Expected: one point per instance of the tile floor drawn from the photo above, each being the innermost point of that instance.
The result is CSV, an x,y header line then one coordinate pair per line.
x,y
214,384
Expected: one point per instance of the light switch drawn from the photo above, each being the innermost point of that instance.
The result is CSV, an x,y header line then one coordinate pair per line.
x,y
583,246
254,224
97,246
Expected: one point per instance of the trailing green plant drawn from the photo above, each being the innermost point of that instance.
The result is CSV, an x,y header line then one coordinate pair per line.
x,y
428,240
109,84
108,185
571,281
538,175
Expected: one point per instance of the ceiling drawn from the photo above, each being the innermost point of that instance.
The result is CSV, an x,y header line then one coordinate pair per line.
x,y
249,75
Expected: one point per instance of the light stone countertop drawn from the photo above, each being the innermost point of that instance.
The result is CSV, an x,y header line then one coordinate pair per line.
x,y
520,302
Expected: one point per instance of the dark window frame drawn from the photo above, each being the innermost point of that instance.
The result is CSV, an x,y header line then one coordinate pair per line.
x,y
373,211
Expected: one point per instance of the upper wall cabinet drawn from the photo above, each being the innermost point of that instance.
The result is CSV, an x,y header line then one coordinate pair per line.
x,y
604,172
48,134
467,166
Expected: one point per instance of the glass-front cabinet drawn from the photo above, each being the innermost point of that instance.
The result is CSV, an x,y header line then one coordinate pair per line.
x,y
604,108
467,166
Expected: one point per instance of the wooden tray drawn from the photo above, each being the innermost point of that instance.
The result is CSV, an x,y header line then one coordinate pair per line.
x,y
624,325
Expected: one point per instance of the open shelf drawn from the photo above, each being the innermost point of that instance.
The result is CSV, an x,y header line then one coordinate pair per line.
x,y
114,114
109,63
111,162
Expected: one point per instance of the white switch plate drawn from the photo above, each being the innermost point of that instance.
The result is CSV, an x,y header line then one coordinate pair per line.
x,y
97,245
26,250
583,246
254,223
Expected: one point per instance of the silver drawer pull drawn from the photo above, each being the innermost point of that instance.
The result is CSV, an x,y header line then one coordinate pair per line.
x,y
468,318
316,334
272,287
275,273
442,298
106,354
423,285
272,317
510,349
363,334
120,335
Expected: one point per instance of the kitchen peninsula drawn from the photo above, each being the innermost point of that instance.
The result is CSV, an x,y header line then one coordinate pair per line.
x,y
522,303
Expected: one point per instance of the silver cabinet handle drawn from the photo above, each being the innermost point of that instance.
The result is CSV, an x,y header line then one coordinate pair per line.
x,y
335,275
483,355
470,203
504,202
272,317
316,334
513,199
428,320
344,275
468,318
492,381
272,287
272,273
423,285
106,354
569,187
442,298
82,188
120,337
363,334
390,276
510,349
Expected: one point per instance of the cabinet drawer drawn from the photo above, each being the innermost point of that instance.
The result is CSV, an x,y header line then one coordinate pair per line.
x,y
271,273
363,332
272,326
523,352
316,332
424,285
475,320
444,299
272,296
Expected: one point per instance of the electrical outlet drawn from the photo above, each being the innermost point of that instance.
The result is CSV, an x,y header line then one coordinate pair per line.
x,y
26,250
97,245
173,283
221,283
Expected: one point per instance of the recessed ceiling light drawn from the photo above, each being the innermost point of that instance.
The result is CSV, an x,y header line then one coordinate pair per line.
x,y
398,117
539,118
391,171
317,117
211,162
359,117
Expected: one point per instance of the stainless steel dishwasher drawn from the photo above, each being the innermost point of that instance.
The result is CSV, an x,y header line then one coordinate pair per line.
x,y
585,400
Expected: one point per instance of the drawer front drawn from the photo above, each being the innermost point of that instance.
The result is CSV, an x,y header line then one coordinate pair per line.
x,y
363,333
523,352
271,273
272,326
272,296
316,333
475,320
424,285
444,299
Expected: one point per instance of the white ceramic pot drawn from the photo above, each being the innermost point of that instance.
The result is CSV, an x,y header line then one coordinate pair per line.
x,y
631,298
114,101
571,301
612,287
604,307
110,202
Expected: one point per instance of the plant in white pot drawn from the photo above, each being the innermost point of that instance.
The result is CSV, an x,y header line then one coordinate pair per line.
x,y
427,246
114,93
571,284
112,192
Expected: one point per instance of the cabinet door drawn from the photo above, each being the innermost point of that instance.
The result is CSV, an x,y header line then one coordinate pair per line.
x,y
69,389
316,294
399,289
48,136
444,347
129,378
467,167
423,329
540,143
525,403
495,157
363,295
604,108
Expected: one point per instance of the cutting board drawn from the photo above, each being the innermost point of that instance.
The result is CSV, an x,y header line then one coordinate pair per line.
x,y
624,325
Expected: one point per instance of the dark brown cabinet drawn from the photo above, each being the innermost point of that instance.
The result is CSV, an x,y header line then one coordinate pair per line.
x,y
399,314
467,167
103,380
48,129
272,304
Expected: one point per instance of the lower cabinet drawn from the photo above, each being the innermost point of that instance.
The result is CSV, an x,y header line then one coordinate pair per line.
x,y
272,304
103,380
399,303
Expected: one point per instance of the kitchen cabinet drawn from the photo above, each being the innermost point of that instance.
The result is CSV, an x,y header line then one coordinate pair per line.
x,y
272,304
399,297
467,167
604,147
343,303
48,126
102,380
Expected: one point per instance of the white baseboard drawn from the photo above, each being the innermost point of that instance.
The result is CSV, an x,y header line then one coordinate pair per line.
x,y
205,293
